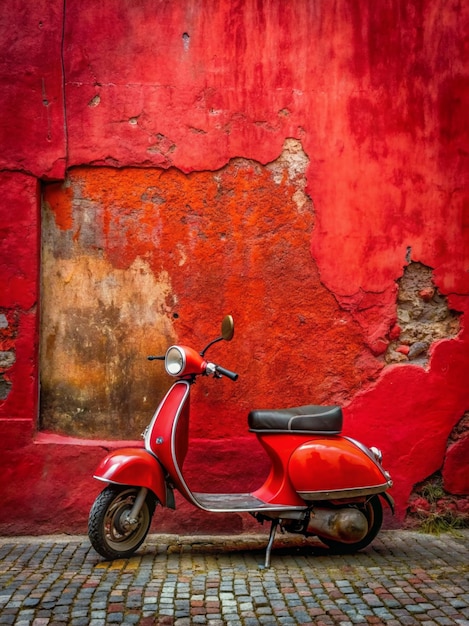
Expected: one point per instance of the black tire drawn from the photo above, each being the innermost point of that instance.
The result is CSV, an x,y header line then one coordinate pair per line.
x,y
106,531
373,510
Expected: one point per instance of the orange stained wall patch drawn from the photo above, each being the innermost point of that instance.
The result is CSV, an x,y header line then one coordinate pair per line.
x,y
153,257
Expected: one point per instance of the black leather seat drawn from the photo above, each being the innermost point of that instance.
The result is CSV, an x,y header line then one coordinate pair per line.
x,y
312,419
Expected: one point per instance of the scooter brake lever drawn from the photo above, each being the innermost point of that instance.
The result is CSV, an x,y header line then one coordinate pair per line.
x,y
155,358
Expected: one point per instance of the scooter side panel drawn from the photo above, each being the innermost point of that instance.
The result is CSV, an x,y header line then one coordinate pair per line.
x,y
133,466
329,467
278,488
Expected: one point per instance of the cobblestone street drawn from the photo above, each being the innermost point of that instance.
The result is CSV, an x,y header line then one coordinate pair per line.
x,y
402,578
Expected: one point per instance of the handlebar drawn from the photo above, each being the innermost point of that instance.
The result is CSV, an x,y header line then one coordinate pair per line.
x,y
156,358
224,372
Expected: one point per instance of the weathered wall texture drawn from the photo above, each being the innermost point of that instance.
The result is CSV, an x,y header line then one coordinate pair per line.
x,y
301,165
147,256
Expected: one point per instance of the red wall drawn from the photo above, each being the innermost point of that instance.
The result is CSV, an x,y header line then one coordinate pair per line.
x,y
377,94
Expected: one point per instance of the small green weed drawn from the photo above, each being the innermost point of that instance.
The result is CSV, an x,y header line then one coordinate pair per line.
x,y
433,491
437,522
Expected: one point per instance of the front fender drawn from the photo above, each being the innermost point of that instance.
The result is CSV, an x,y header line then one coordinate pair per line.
x,y
133,466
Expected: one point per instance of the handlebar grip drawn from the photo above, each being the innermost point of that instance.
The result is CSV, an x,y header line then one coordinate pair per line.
x,y
156,358
224,372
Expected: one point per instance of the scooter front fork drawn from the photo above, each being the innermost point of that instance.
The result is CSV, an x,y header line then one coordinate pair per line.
x,y
132,517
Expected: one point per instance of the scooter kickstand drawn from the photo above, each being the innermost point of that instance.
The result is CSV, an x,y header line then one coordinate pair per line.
x,y
273,529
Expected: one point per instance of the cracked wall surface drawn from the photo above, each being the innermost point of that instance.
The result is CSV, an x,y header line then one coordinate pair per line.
x,y
374,101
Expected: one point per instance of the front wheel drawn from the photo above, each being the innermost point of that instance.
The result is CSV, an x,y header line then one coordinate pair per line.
x,y
109,530
373,511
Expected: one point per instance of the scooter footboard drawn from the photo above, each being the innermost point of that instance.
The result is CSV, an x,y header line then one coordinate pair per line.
x,y
335,467
134,466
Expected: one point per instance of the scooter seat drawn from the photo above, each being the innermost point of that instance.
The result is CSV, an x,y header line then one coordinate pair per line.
x,y
311,419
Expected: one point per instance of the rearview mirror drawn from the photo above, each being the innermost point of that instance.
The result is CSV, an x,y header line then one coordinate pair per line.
x,y
227,328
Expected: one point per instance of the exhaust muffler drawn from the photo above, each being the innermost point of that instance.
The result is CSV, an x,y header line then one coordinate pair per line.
x,y
346,525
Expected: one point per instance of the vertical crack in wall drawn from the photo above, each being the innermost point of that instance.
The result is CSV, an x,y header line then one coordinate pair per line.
x,y
423,317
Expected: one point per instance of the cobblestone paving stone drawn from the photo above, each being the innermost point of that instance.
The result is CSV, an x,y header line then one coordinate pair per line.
x,y
402,578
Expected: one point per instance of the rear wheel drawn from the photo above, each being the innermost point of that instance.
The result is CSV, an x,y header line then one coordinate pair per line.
x,y
110,532
373,511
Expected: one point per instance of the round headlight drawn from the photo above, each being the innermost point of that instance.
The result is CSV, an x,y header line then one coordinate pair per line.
x,y
175,361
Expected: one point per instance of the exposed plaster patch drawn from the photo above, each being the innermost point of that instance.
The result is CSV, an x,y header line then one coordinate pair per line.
x,y
423,317
7,359
8,335
294,161
162,145
95,101
5,388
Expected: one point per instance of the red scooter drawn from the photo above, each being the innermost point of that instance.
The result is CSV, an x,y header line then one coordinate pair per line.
x,y
320,482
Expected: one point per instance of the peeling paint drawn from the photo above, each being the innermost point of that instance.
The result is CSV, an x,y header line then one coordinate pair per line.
x,y
139,258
